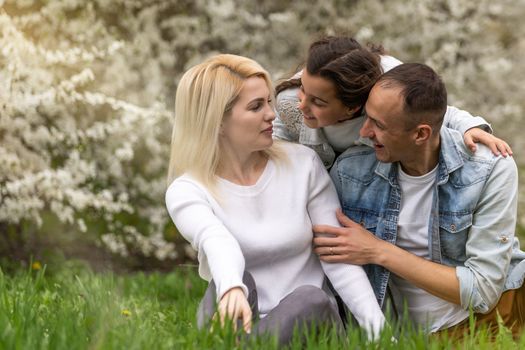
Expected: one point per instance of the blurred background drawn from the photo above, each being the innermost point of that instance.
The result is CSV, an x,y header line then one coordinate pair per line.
x,y
87,94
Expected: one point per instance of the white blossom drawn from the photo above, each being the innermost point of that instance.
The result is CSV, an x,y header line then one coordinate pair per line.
x,y
68,135
87,89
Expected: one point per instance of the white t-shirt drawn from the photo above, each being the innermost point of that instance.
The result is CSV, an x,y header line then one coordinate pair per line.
x,y
267,230
424,309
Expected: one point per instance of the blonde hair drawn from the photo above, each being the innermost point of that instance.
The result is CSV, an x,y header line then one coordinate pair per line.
x,y
205,95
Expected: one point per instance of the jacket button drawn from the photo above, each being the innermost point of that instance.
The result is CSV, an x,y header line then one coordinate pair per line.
x,y
362,223
504,239
453,227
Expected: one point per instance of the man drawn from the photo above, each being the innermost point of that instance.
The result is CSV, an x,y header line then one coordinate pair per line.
x,y
431,220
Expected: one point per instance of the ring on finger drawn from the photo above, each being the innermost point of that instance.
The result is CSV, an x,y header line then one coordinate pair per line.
x,y
331,251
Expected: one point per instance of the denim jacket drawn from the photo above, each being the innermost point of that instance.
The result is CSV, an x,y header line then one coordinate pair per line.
x,y
472,220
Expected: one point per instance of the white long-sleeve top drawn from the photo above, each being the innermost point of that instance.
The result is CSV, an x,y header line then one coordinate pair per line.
x,y
267,230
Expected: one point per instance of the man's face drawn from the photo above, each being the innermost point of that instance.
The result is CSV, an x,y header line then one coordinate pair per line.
x,y
385,125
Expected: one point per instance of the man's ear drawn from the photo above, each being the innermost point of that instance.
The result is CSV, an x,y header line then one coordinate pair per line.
x,y
423,133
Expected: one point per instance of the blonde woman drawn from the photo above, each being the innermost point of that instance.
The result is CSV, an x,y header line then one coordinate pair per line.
x,y
247,205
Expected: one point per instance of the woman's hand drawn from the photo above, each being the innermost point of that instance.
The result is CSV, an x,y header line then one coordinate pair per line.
x,y
496,145
233,306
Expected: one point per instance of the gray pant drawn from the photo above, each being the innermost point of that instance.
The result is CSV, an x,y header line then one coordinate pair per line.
x,y
305,308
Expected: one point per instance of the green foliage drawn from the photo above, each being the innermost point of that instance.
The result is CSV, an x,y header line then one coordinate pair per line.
x,y
73,308
520,232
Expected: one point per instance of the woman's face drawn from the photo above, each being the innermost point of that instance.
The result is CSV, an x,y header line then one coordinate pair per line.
x,y
319,102
249,125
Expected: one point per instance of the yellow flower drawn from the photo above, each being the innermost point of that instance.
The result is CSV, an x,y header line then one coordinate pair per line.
x,y
36,266
126,312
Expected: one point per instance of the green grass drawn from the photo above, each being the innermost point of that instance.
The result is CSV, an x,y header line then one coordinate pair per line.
x,y
74,308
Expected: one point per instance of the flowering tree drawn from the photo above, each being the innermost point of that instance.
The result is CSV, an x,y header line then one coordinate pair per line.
x,y
86,90
74,142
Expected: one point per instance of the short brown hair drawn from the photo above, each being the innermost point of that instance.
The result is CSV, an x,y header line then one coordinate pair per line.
x,y
423,91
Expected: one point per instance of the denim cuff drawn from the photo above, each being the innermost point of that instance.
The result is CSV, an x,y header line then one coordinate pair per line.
x,y
469,294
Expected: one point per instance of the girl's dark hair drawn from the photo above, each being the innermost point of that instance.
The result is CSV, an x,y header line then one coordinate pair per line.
x,y
287,84
352,68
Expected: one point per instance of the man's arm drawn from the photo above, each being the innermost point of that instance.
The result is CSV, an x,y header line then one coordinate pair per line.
x,y
477,284
490,239
355,245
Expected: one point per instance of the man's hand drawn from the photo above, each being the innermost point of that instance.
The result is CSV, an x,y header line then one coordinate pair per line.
x,y
350,244
233,306
354,245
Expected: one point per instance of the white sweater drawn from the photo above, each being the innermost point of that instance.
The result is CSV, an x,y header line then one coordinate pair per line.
x,y
267,230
